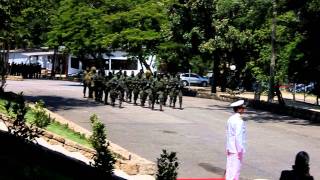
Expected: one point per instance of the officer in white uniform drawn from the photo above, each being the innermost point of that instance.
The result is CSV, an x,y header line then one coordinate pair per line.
x,y
235,146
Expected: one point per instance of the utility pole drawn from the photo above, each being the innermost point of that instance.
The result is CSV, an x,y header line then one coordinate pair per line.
x,y
273,55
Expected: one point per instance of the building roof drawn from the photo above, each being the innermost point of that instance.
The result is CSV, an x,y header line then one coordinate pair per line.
x,y
38,53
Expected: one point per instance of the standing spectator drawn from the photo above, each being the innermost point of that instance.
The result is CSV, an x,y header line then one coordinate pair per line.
x,y
235,145
300,169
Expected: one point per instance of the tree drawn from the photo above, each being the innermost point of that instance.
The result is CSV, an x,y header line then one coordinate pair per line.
x,y
19,127
167,166
23,24
77,26
103,159
136,29
305,66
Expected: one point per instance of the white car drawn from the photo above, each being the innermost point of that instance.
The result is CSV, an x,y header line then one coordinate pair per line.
x,y
192,78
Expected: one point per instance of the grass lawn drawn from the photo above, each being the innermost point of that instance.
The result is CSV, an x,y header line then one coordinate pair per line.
x,y
54,127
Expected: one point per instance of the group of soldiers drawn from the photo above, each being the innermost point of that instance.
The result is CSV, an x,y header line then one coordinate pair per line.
x,y
25,70
149,88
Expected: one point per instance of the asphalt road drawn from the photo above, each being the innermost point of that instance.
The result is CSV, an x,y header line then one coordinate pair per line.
x,y
196,133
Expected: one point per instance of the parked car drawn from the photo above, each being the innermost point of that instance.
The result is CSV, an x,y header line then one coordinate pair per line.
x,y
192,78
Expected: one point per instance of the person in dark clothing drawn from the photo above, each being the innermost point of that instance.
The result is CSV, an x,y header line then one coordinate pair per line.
x,y
300,169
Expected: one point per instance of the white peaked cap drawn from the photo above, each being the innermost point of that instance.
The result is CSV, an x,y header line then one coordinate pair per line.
x,y
237,103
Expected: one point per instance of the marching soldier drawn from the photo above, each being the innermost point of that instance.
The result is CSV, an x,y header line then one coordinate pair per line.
x,y
144,87
113,90
99,85
130,86
86,81
136,88
92,73
107,87
161,87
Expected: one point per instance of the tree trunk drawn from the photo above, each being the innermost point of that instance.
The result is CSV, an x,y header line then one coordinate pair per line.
x,y
257,92
54,59
144,62
216,75
4,59
279,96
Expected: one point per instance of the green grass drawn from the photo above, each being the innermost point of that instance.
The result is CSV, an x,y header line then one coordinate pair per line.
x,y
54,127
66,132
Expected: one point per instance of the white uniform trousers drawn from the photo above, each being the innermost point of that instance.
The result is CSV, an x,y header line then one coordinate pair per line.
x,y
233,166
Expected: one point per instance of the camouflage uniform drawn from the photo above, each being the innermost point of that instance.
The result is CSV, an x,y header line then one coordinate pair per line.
x,y
176,91
144,89
136,87
130,86
92,73
99,85
86,81
107,87
113,90
160,87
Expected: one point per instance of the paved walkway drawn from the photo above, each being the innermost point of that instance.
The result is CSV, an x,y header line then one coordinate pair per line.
x,y
196,133
305,102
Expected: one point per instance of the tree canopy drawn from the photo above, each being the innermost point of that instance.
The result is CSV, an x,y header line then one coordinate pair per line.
x,y
201,35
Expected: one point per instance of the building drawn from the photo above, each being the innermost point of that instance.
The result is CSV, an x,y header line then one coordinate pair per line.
x,y
69,65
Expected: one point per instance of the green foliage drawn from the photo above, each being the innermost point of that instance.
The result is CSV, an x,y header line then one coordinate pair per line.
x,y
103,159
41,118
167,166
19,128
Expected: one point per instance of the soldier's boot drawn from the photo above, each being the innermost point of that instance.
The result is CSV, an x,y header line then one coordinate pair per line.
x,y
120,103
150,102
180,102
161,106
106,98
113,101
170,105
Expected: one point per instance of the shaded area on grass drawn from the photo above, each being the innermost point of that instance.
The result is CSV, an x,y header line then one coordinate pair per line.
x,y
59,102
21,160
55,127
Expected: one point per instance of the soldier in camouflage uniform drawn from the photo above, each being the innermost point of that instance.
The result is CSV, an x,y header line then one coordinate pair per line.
x,y
130,86
160,86
121,87
113,89
92,73
86,81
144,87
152,91
176,91
99,85
107,87
136,88
166,90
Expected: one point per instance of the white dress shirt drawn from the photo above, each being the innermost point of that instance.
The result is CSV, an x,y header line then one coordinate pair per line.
x,y
236,134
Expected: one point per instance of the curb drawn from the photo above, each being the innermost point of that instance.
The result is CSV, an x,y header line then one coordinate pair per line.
x,y
130,163
312,116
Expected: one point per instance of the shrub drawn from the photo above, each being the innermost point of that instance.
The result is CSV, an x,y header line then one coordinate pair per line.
x,y
19,128
103,159
42,119
167,166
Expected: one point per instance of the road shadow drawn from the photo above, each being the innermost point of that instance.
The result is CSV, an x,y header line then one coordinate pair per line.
x,y
75,85
210,107
266,117
55,103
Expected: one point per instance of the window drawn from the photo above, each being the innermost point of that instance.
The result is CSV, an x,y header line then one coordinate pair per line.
x,y
75,63
124,64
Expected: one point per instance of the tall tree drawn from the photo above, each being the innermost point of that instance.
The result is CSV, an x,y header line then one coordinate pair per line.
x,y
136,30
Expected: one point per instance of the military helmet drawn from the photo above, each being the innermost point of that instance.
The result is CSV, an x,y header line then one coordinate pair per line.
x,y
93,69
